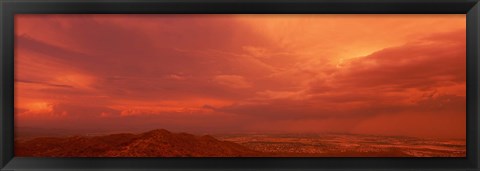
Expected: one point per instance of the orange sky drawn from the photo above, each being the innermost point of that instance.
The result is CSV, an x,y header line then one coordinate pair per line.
x,y
372,74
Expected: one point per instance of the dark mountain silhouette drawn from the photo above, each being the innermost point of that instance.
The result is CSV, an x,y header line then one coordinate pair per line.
x,y
156,143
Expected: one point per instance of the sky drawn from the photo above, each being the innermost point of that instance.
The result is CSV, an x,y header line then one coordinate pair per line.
x,y
401,75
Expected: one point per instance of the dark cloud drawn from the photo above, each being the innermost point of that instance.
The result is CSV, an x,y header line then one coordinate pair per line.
x,y
421,64
43,83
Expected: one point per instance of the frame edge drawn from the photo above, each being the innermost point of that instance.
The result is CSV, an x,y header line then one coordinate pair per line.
x,y
7,84
473,73
2,120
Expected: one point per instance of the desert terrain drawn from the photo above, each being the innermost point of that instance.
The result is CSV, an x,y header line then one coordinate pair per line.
x,y
163,143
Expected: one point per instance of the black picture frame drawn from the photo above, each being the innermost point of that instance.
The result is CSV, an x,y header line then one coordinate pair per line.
x,y
9,8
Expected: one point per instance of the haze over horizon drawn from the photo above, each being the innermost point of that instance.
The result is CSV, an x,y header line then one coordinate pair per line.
x,y
399,75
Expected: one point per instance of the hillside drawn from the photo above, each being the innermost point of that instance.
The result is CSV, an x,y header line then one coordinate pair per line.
x,y
156,143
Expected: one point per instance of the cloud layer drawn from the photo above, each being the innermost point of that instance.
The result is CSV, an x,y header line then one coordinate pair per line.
x,y
371,74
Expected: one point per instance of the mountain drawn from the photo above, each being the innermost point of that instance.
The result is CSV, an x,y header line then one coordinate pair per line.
x,y
155,143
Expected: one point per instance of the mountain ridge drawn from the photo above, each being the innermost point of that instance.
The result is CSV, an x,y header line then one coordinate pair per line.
x,y
154,143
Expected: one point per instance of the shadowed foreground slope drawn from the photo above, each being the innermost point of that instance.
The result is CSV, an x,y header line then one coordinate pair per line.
x,y
156,143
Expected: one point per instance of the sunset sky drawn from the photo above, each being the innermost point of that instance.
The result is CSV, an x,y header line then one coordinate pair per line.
x,y
366,74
